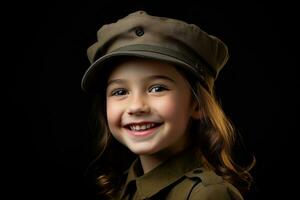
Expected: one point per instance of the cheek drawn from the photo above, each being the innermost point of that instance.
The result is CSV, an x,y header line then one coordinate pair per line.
x,y
173,107
112,113
113,119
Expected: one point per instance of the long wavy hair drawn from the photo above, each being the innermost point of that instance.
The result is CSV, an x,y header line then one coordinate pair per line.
x,y
213,138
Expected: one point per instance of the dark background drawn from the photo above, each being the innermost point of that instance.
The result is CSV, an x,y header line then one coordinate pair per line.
x,y
47,148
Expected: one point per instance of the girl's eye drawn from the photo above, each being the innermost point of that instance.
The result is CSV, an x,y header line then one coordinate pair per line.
x,y
119,92
158,88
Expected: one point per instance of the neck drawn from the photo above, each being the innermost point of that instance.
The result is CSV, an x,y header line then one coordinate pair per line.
x,y
149,162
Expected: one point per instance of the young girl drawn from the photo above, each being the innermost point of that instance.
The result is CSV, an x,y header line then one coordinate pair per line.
x,y
161,134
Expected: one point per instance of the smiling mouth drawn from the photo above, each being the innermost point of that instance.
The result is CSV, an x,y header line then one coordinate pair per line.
x,y
140,127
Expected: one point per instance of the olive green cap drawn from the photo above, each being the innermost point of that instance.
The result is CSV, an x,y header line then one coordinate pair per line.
x,y
142,35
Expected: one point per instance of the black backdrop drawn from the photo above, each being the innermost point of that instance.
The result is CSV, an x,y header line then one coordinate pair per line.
x,y
47,150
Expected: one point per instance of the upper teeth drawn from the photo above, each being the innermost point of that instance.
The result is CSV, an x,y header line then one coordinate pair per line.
x,y
141,127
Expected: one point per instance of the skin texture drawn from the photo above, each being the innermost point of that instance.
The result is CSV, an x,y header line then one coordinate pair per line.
x,y
148,92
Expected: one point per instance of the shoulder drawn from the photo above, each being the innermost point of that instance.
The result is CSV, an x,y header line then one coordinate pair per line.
x,y
208,185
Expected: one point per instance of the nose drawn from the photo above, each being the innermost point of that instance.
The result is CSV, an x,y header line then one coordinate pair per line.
x,y
138,105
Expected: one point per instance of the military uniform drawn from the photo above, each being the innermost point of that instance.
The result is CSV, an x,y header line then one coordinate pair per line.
x,y
181,177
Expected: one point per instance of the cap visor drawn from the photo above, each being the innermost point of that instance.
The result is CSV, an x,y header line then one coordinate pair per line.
x,y
94,71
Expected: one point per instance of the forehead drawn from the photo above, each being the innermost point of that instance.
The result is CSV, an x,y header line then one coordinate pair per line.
x,y
142,67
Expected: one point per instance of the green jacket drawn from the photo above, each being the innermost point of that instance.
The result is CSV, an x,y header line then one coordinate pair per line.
x,y
181,177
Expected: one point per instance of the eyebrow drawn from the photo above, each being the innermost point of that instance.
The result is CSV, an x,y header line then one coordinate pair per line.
x,y
153,77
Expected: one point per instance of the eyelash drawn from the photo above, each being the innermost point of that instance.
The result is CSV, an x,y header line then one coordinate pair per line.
x,y
159,86
117,92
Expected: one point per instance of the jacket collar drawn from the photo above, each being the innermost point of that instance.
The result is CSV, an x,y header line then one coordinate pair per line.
x,y
163,175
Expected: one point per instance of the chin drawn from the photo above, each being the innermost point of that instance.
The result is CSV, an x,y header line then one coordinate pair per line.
x,y
142,151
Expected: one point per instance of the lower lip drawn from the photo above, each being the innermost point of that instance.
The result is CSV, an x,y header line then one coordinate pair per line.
x,y
143,133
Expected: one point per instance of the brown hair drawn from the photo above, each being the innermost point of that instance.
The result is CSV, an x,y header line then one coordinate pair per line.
x,y
214,137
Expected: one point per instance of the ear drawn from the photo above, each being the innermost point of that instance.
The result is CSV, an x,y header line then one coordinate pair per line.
x,y
196,112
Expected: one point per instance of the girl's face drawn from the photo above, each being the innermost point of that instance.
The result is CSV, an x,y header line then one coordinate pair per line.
x,y
149,106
